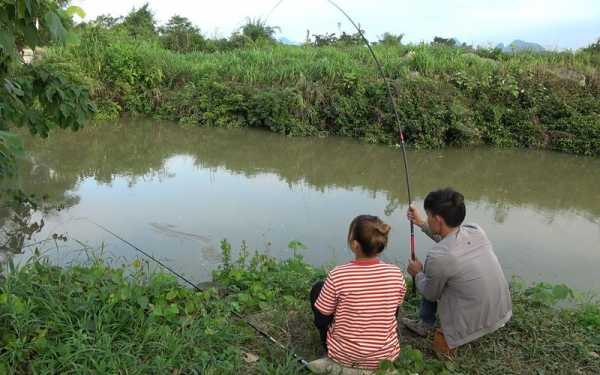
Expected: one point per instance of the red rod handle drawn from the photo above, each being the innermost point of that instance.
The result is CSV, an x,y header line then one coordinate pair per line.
x,y
413,256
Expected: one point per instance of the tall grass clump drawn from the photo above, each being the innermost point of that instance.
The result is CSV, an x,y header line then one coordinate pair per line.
x,y
445,95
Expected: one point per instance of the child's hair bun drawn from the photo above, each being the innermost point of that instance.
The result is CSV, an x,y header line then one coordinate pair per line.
x,y
370,232
384,228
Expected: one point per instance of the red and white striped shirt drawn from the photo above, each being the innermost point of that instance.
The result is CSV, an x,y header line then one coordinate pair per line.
x,y
363,296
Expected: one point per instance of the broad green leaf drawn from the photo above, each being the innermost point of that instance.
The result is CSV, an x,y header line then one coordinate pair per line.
x,y
21,10
124,294
157,311
561,292
31,35
172,310
75,10
7,43
55,26
28,6
13,88
12,143
142,301
172,295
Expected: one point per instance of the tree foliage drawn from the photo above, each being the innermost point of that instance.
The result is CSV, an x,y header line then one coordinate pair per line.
x,y
594,47
444,41
180,35
389,39
331,39
107,21
257,29
140,23
37,96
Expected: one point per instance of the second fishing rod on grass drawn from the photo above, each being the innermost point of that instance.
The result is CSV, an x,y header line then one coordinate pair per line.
x,y
298,358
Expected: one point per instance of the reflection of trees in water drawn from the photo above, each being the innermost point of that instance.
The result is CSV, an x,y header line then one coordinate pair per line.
x,y
391,206
17,223
506,178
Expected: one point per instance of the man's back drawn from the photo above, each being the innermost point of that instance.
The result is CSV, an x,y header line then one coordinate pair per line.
x,y
464,275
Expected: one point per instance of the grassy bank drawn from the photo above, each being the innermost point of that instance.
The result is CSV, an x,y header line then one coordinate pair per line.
x,y
99,319
446,95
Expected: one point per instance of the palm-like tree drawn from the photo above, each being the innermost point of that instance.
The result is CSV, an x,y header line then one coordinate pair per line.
x,y
256,29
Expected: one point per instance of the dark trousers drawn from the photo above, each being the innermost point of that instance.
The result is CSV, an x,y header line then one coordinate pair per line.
x,y
427,311
322,322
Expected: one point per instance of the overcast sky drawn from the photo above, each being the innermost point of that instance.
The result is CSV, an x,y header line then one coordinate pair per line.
x,y
552,23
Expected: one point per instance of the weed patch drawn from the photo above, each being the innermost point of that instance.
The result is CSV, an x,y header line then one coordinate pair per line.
x,y
97,318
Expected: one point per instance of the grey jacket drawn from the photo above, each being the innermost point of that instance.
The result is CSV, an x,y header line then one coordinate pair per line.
x,y
462,273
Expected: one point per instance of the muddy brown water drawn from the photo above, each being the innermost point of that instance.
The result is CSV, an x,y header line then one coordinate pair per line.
x,y
177,191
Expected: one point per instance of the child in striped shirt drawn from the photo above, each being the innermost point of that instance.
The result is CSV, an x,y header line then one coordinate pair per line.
x,y
355,308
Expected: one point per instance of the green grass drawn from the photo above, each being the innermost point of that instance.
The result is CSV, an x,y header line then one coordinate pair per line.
x,y
94,318
444,95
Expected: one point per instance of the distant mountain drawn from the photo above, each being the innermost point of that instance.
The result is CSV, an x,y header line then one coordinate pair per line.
x,y
284,40
520,46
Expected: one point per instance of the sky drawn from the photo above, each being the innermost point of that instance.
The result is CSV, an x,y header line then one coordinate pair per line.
x,y
555,24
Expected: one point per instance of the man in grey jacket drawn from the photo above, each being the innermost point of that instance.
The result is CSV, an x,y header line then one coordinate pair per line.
x,y
462,279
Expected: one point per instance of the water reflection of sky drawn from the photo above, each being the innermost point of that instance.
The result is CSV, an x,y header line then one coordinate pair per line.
x,y
181,213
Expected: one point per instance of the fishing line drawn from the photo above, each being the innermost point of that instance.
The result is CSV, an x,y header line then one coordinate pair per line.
x,y
237,315
398,124
272,10
396,117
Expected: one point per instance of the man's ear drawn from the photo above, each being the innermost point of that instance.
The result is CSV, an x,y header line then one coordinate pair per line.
x,y
439,220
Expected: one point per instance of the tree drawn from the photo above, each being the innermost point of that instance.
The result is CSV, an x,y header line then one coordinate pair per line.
x,y
180,35
140,23
594,47
37,96
324,40
389,39
350,39
107,21
444,41
257,29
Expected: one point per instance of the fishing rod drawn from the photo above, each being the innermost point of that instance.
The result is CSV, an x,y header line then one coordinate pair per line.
x,y
413,255
390,96
302,361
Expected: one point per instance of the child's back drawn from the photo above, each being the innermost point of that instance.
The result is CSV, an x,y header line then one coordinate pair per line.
x,y
365,295
355,309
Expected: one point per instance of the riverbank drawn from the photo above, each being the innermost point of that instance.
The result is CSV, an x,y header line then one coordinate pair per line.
x,y
445,95
102,319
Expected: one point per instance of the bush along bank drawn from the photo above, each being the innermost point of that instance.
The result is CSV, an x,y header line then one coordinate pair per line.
x,y
445,95
95,318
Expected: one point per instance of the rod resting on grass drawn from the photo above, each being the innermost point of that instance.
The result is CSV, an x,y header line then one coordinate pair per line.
x,y
237,315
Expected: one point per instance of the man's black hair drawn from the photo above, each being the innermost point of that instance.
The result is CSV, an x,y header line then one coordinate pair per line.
x,y
447,203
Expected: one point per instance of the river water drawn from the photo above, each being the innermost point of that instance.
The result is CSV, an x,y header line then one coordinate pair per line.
x,y
177,191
